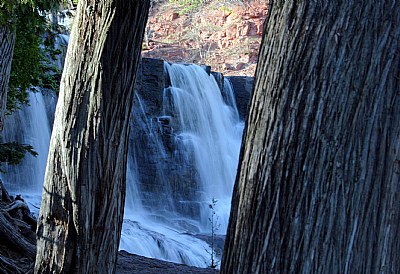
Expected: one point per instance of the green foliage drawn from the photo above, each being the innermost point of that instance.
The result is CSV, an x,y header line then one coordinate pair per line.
x,y
30,64
226,9
188,6
49,74
33,52
26,59
6,11
9,8
13,153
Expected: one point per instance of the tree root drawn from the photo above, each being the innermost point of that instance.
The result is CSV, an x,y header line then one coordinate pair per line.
x,y
17,235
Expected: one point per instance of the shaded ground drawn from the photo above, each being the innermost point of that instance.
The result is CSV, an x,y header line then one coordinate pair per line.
x,y
132,264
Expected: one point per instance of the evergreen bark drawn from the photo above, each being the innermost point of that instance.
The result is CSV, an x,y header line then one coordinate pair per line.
x,y
318,185
81,215
7,41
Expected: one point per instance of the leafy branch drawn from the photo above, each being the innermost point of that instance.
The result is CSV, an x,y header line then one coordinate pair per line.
x,y
12,153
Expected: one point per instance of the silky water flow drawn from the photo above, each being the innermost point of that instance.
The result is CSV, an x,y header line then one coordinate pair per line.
x,y
195,143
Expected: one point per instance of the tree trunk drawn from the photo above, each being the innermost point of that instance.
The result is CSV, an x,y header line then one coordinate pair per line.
x,y
81,215
317,189
7,41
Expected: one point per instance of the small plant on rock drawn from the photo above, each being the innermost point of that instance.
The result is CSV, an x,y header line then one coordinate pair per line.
x,y
215,225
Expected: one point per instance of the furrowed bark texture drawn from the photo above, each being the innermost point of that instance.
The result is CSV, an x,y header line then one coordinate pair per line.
x,y
81,215
7,41
318,186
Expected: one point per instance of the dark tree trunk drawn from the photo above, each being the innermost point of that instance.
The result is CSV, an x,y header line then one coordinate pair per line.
x,y
7,41
318,185
81,215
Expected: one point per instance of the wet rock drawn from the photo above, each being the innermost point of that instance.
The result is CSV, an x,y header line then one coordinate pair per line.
x,y
219,78
243,86
166,168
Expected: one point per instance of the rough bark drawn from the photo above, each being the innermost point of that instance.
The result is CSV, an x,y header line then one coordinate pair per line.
x,y
7,41
84,190
317,189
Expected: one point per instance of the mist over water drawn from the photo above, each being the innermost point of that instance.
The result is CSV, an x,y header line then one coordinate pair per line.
x,y
166,221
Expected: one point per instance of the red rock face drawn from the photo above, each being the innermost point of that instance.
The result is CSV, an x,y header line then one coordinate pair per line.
x,y
170,16
225,35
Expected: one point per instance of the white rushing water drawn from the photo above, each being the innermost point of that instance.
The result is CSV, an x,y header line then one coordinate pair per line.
x,y
29,125
213,131
210,131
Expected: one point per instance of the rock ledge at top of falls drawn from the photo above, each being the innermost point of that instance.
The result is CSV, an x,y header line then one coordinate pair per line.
x,y
130,263
152,79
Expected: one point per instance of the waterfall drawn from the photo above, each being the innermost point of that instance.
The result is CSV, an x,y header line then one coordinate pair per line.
x,y
212,130
183,157
179,158
29,125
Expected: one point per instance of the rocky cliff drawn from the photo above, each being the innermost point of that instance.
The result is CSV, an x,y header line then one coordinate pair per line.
x,y
223,34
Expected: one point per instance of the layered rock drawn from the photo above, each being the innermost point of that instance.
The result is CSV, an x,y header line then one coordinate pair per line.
x,y
223,34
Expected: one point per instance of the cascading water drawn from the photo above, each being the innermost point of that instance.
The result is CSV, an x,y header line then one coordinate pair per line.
x,y
177,162
198,134
29,125
212,130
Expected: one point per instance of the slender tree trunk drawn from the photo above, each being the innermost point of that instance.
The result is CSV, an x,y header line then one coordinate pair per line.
x,y
318,185
81,215
7,41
